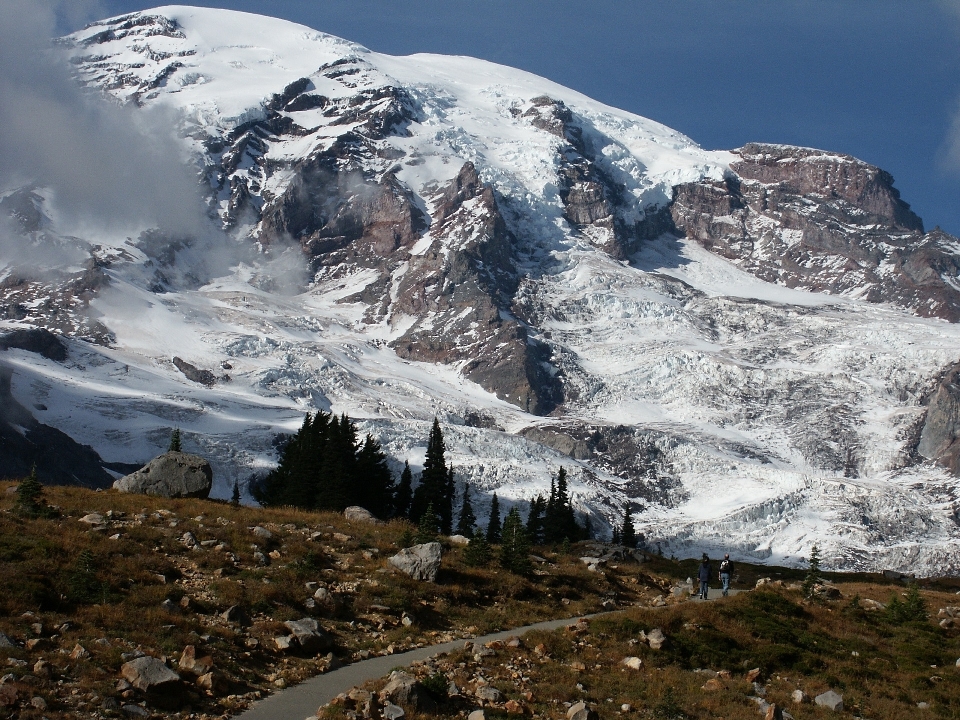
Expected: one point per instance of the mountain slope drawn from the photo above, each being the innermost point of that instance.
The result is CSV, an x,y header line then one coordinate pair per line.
x,y
559,281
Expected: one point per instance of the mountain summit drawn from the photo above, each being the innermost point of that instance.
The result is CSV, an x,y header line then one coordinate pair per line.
x,y
751,349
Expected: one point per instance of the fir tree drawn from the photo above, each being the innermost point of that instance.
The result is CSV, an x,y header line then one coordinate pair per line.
x,y
478,552
175,441
559,522
435,483
494,530
515,545
467,522
428,526
404,494
374,476
616,539
813,577
30,496
535,519
628,535
235,498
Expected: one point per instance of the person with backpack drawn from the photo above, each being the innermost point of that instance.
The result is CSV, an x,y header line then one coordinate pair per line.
x,y
704,576
726,572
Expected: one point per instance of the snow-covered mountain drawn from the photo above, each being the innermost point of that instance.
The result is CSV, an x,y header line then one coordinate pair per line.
x,y
753,349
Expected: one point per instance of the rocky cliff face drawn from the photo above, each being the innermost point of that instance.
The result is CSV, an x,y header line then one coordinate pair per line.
x,y
824,222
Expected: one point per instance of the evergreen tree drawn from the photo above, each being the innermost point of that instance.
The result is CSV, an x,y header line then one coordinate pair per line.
x,y
559,522
586,532
628,535
616,539
374,476
235,498
428,526
813,577
478,552
30,496
435,487
175,441
337,486
535,519
467,522
515,545
404,494
494,531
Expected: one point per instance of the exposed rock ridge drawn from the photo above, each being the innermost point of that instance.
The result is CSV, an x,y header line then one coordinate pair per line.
x,y
824,222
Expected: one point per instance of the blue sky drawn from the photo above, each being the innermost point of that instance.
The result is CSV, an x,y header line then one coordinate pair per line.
x,y
878,79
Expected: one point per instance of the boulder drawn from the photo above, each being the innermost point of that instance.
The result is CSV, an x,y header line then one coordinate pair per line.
x,y
309,636
489,694
189,662
831,700
171,475
799,697
149,674
356,513
582,711
403,689
421,562
634,663
656,639
393,712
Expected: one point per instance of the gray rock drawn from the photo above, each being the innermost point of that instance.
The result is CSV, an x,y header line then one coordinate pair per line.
x,y
582,711
403,689
656,638
421,562
359,514
477,715
134,711
171,475
5,642
799,697
148,674
393,712
489,694
830,700
261,532
309,636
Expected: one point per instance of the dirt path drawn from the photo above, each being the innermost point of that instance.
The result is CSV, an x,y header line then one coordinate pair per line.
x,y
301,701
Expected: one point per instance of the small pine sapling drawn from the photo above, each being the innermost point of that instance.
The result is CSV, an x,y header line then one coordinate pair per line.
x,y
175,445
813,577
478,552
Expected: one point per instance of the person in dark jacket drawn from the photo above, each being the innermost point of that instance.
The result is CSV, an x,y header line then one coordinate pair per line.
x,y
726,572
704,576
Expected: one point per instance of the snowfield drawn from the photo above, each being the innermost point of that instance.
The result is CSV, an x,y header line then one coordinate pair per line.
x,y
763,420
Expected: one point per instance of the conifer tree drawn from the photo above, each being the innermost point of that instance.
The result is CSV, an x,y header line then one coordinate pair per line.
x,y
515,545
467,522
435,486
494,530
535,519
813,577
175,441
235,498
616,539
478,552
30,495
628,535
559,522
374,476
404,494
428,526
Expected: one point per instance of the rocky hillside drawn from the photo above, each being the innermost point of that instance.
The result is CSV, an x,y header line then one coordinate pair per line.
x,y
750,349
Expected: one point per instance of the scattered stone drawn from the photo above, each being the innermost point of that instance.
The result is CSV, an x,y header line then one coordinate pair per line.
x,y
489,694
171,475
235,613
5,642
148,673
459,540
79,653
168,605
753,675
189,662
582,711
283,643
713,684
421,562
403,689
477,715
309,636
872,605
110,704
134,711
356,513
634,663
799,697
274,554
826,592
923,705
261,532
189,540
392,712
763,581
212,682
513,707
830,700
93,519
656,639
773,713
39,703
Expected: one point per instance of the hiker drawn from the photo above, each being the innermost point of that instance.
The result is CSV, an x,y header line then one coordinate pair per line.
x,y
704,576
726,571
